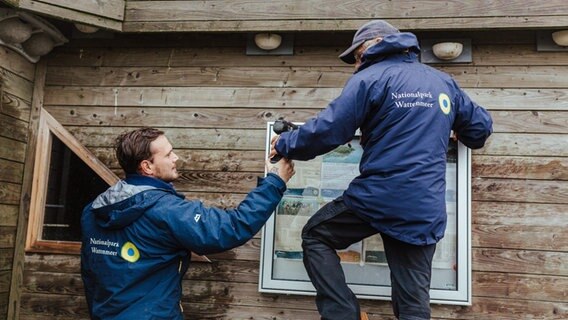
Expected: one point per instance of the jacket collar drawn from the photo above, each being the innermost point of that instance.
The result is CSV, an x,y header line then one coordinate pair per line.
x,y
140,180
394,44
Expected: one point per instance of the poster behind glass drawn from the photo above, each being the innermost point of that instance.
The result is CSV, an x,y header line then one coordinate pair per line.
x,y
323,179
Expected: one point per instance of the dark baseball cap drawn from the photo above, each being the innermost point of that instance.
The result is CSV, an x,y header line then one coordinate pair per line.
x,y
370,30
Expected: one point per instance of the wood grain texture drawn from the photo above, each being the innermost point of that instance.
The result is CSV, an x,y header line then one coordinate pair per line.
x,y
10,193
485,259
530,121
16,85
47,8
307,53
15,107
171,117
420,24
513,77
13,128
8,215
213,102
181,138
24,197
6,256
11,171
521,144
205,160
519,214
520,261
4,280
16,63
522,287
322,9
520,237
227,297
170,96
511,167
16,81
73,92
7,237
230,76
537,191
106,9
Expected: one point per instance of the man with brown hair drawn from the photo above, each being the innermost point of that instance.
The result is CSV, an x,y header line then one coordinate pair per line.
x,y
137,236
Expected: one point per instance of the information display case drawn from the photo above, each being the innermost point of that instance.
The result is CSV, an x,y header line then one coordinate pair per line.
x,y
325,178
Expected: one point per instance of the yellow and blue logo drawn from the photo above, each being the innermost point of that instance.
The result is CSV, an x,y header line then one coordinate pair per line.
x,y
129,252
445,103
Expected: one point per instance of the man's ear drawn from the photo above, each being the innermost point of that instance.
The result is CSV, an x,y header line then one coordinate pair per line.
x,y
146,168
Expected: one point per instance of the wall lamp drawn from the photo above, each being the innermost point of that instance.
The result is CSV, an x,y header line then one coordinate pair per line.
x,y
560,38
270,43
85,28
27,34
445,51
267,41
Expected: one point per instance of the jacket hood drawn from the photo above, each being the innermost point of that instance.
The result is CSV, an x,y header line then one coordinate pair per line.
x,y
126,201
391,44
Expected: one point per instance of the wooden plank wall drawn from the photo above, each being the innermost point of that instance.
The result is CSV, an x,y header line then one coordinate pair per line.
x,y
213,101
16,84
104,14
332,15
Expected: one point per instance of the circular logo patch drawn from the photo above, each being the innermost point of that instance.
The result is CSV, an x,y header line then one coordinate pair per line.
x,y
129,252
444,102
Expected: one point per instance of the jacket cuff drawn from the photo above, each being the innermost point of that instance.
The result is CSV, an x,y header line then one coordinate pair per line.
x,y
279,146
273,179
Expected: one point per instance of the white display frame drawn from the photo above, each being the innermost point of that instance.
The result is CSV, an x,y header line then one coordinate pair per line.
x,y
460,295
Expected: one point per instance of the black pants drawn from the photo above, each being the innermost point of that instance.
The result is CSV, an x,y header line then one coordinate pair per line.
x,y
336,227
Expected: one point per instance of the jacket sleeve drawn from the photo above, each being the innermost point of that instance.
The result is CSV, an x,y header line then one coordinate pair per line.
x,y
334,126
473,124
206,230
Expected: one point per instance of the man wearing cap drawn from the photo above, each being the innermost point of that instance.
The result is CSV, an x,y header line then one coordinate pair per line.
x,y
405,111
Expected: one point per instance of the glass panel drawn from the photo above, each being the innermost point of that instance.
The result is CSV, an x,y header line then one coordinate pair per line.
x,y
321,180
444,268
72,184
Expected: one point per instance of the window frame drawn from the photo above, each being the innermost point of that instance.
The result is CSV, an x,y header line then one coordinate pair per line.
x,y
462,295
48,126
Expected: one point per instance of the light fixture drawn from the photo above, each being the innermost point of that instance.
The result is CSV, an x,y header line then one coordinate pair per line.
x,y
38,44
270,43
267,41
14,30
27,34
560,38
447,50
86,28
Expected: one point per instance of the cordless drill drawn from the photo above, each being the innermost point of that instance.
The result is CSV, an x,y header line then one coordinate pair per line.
x,y
278,127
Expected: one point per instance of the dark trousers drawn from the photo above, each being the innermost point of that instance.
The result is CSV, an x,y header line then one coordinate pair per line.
x,y
336,227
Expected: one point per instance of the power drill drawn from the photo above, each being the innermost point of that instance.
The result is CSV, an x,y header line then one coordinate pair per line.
x,y
278,127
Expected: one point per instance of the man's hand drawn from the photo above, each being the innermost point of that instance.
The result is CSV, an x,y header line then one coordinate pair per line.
x,y
283,168
454,136
272,146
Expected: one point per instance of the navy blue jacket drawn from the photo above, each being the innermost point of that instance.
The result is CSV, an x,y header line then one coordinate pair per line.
x,y
405,111
137,238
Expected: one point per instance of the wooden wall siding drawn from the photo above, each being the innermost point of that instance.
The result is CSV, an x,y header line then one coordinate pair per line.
x,y
16,83
104,14
333,15
213,102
